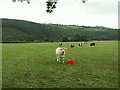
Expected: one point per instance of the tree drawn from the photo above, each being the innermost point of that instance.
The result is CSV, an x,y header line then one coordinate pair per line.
x,y
29,39
65,39
76,37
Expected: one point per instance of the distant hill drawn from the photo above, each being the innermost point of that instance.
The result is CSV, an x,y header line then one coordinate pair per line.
x,y
25,31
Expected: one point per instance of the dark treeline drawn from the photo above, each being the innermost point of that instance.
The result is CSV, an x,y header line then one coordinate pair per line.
x,y
24,31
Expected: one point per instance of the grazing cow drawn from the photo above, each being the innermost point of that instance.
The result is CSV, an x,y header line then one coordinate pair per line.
x,y
80,45
60,44
92,44
72,46
60,53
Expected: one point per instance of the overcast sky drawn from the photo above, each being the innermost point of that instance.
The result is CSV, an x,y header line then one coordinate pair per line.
x,y
70,12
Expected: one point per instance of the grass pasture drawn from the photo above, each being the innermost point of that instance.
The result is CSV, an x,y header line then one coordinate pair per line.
x,y
33,65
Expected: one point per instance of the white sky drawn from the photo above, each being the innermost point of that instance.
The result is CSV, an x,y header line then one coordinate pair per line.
x,y
70,12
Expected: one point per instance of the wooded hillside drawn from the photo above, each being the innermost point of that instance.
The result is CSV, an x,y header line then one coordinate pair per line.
x,y
25,31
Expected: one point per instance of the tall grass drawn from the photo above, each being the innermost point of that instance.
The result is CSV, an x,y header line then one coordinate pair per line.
x,y
34,65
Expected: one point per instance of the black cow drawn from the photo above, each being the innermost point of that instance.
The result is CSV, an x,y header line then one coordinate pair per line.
x,y
60,44
92,44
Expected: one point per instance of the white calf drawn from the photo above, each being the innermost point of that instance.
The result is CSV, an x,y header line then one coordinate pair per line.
x,y
60,53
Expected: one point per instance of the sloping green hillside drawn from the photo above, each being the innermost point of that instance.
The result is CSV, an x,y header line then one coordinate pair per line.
x,y
24,31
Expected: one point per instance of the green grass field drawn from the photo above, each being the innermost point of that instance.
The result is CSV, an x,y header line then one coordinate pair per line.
x,y
34,65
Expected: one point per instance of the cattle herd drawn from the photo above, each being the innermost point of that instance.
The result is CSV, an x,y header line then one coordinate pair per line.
x,y
80,45
60,51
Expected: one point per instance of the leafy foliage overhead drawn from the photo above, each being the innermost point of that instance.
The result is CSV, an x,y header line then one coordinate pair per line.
x,y
51,4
